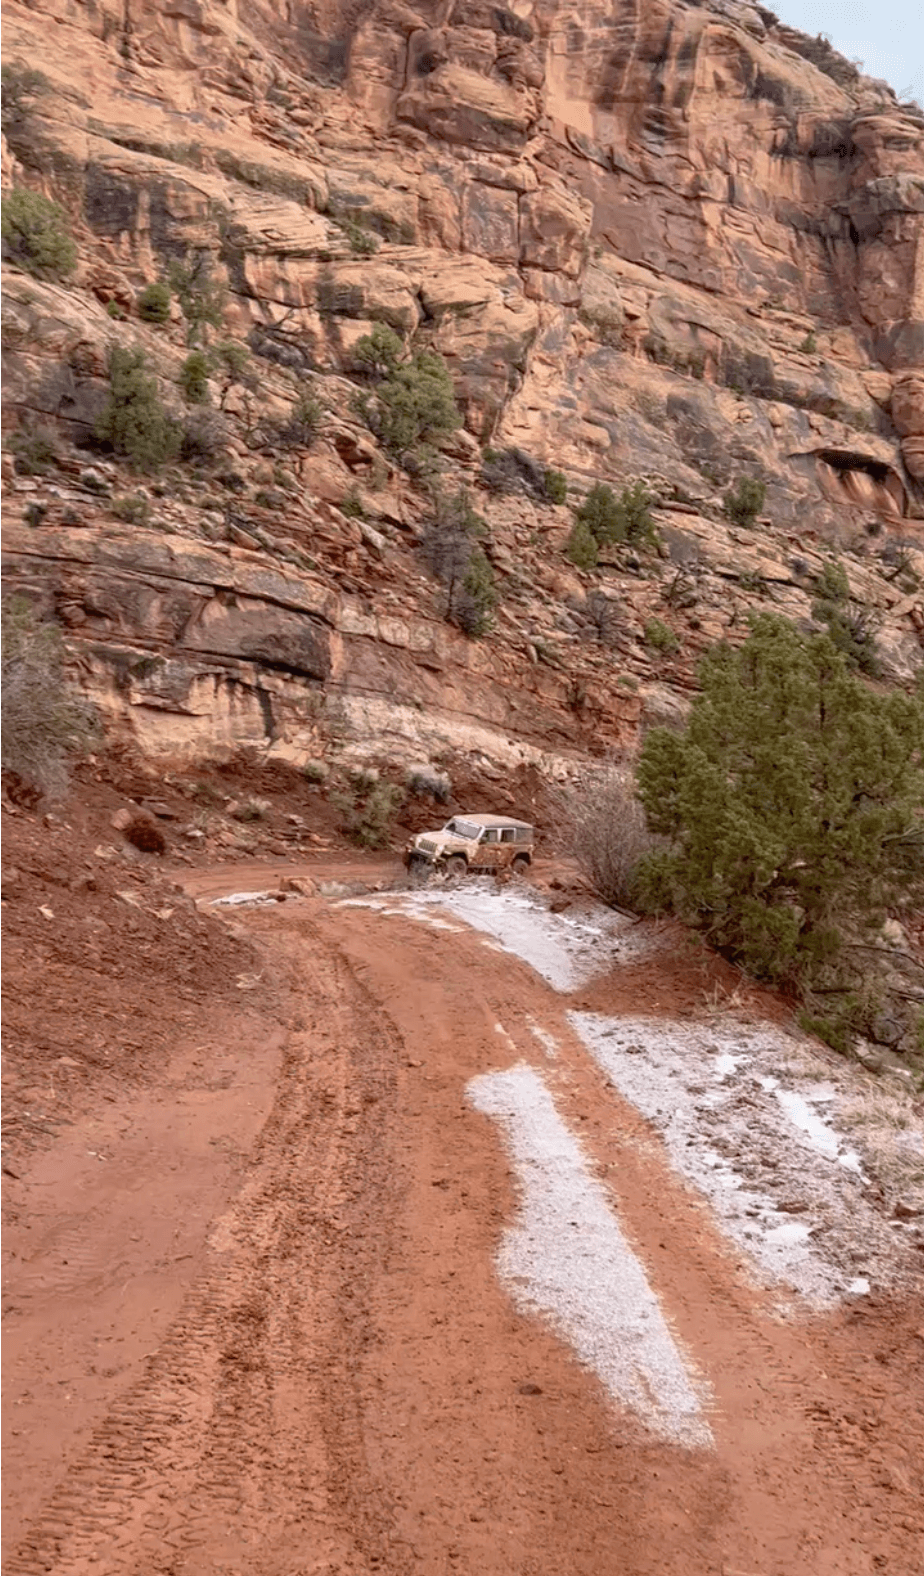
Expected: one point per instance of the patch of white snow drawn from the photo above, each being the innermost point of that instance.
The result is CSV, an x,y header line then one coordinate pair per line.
x,y
781,1182
566,1256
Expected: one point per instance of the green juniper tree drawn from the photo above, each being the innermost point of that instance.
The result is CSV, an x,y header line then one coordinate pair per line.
x,y
793,802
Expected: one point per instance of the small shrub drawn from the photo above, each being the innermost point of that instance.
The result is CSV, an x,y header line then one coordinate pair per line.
x,y
851,625
194,378
831,582
204,435
133,508
414,406
606,616
134,422
362,242
599,512
635,512
425,782
22,88
34,513
378,354
315,771
809,344
205,792
608,834
744,501
143,832
299,429
627,518
36,235
352,505
35,449
44,722
252,809
581,546
474,603
230,365
555,484
660,638
512,471
853,629
115,311
368,812
154,302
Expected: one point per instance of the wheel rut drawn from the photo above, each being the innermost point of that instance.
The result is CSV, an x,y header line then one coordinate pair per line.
x,y
231,1425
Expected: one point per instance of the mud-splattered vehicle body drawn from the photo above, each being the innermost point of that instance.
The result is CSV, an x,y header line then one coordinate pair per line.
x,y
484,844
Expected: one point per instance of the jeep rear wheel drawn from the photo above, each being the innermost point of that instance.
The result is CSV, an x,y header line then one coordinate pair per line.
x,y
520,866
456,866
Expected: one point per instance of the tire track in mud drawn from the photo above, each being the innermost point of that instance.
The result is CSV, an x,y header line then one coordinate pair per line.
x,y
245,1427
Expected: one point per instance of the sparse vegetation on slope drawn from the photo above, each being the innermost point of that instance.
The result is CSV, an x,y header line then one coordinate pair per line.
x,y
45,723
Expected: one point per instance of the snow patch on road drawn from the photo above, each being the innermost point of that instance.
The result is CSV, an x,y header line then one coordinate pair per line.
x,y
567,1256
395,907
235,899
802,1114
565,949
779,1177
546,1040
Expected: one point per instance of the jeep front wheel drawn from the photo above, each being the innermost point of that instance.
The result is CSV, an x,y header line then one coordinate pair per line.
x,y
418,868
456,866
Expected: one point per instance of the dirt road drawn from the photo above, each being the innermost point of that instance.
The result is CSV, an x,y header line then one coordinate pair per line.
x,y
397,1341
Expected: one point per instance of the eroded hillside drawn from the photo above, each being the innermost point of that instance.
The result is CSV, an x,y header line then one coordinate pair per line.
x,y
683,248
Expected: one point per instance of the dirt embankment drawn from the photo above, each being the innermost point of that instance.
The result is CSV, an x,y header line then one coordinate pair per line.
x,y
262,1309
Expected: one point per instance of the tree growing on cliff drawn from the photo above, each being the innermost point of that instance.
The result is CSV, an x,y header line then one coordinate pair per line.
x,y
627,518
414,407
794,805
378,353
202,297
851,625
452,548
36,235
743,502
134,421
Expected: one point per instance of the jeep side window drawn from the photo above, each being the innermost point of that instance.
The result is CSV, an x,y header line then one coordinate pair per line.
x,y
508,834
490,835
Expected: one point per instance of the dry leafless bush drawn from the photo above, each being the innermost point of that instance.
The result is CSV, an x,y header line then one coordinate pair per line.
x,y
606,828
44,721
143,832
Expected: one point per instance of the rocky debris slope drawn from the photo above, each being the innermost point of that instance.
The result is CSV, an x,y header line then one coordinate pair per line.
x,y
683,247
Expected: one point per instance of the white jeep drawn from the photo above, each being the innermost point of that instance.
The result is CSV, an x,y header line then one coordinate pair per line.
x,y
483,843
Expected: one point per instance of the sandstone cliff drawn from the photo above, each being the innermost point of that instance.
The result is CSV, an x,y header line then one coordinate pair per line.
x,y
676,242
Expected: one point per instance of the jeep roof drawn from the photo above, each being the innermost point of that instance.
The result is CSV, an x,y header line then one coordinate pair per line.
x,y
492,820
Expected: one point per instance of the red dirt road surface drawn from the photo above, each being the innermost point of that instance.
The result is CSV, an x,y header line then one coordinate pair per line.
x,y
257,1322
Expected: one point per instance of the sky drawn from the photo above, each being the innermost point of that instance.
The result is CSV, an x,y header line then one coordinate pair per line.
x,y
887,35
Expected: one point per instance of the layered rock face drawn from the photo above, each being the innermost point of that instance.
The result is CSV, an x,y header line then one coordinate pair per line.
x,y
670,241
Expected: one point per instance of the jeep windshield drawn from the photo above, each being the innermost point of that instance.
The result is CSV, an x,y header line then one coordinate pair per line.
x,y
466,829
